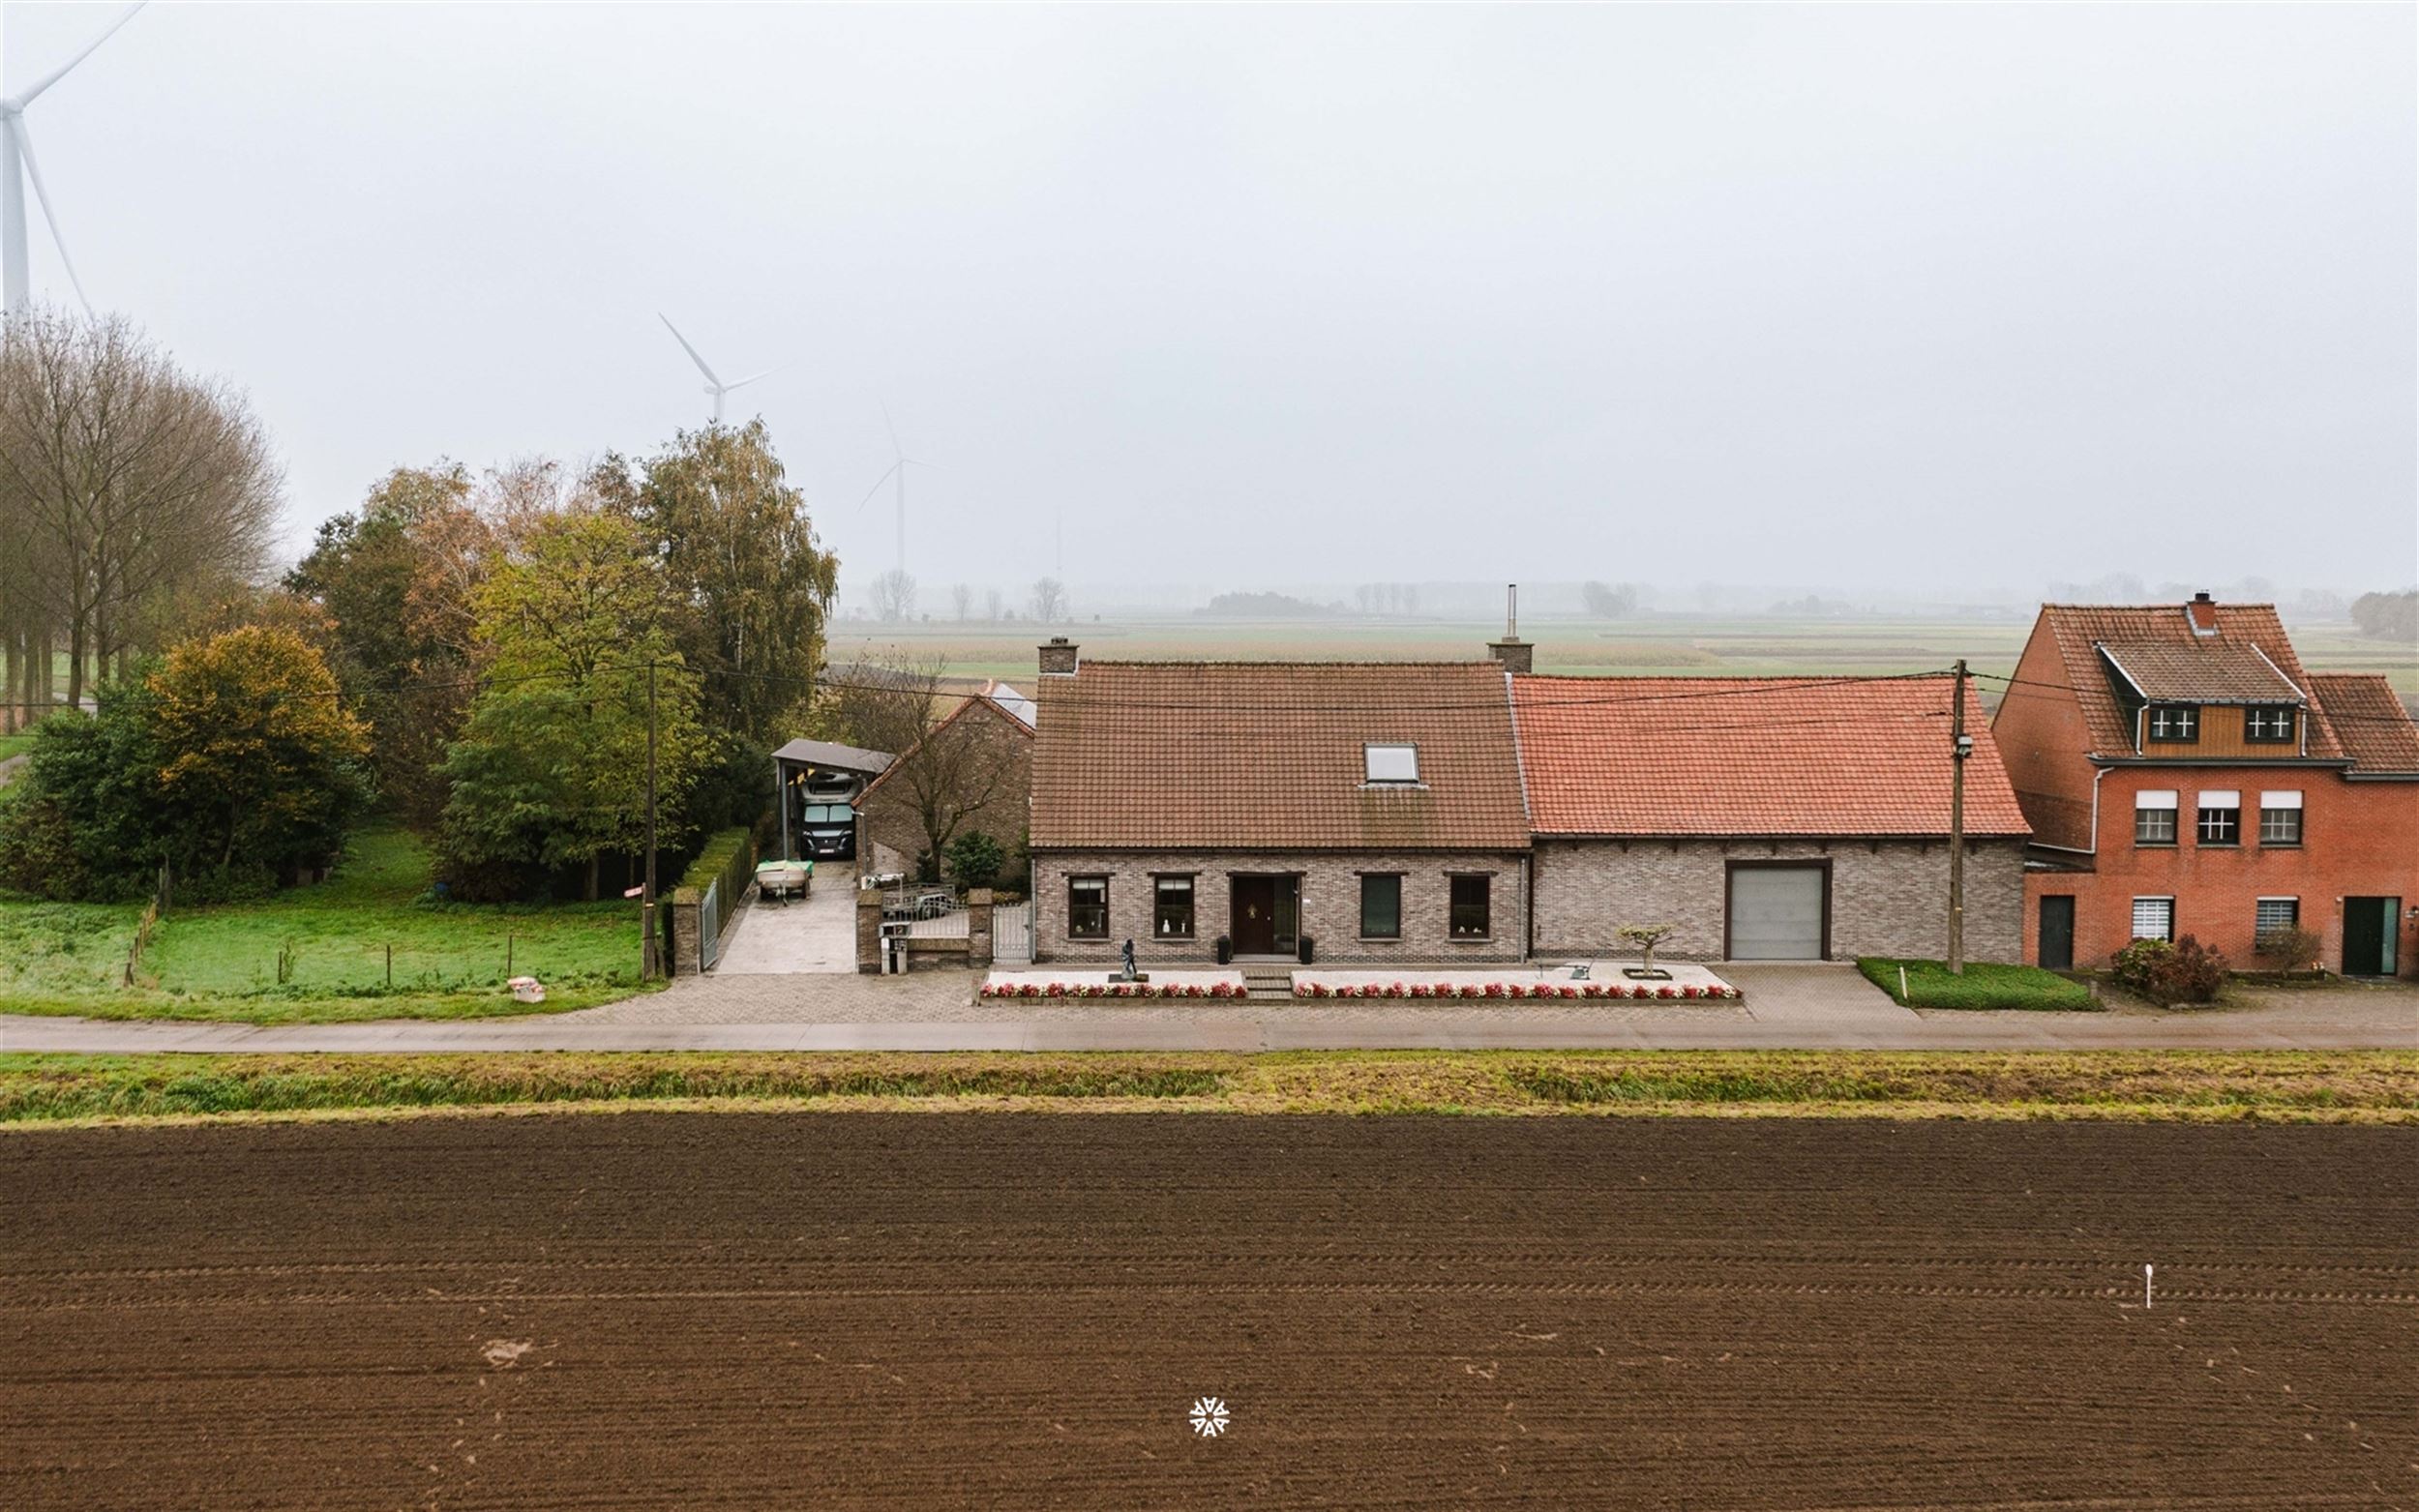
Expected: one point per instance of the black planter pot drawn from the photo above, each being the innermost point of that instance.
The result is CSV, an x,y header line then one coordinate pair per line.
x,y
1226,951
1302,949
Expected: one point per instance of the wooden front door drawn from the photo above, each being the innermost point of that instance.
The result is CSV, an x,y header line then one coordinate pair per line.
x,y
1254,926
2057,933
1267,911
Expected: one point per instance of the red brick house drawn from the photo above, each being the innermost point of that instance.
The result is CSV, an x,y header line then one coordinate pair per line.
x,y
2183,775
1773,819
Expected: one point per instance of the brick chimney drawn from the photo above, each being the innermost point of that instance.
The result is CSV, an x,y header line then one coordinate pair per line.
x,y
1058,657
2202,611
1516,655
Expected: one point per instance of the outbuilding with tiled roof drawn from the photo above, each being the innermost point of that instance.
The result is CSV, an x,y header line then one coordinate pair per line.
x,y
1764,818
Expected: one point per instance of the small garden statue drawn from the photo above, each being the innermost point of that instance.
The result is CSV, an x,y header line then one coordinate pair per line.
x,y
1126,954
1646,937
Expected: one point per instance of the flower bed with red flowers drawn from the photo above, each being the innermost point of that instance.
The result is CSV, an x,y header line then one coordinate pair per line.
x,y
1526,991
1001,992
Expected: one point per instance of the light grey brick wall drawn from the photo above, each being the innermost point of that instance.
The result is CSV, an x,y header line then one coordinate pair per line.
x,y
1331,904
1886,900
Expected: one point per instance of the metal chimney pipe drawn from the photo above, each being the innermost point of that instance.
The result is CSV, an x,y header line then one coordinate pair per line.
x,y
1511,611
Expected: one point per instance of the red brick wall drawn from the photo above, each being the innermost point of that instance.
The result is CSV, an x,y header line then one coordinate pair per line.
x,y
2358,839
2042,742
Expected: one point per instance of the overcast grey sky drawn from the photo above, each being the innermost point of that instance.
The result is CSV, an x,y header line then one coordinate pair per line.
x,y
1984,296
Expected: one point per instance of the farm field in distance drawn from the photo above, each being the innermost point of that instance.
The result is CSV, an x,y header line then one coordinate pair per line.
x,y
1678,645
1012,1311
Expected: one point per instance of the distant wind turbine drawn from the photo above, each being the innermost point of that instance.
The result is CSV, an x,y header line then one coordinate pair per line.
x,y
897,470
713,385
17,165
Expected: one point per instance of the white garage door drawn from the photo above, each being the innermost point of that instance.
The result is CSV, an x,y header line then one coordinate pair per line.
x,y
1776,912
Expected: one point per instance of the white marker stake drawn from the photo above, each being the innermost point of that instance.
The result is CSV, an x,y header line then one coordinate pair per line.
x,y
2146,1288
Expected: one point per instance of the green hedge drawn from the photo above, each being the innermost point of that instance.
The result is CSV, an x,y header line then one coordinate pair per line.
x,y
730,855
1929,985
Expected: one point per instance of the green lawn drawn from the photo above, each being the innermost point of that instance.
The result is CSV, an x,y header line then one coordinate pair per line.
x,y
222,961
1983,986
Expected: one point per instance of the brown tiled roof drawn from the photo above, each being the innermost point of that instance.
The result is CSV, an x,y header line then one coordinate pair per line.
x,y
1753,756
2370,720
1268,755
2201,671
2079,629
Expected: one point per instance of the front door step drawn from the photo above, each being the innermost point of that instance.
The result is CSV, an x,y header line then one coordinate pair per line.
x,y
1269,983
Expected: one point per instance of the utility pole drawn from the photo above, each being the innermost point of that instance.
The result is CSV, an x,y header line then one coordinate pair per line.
x,y
1960,746
649,962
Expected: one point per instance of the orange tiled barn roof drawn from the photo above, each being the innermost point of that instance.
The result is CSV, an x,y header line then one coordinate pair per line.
x,y
1747,756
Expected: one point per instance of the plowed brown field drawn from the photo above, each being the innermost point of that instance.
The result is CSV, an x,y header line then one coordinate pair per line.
x,y
652,1310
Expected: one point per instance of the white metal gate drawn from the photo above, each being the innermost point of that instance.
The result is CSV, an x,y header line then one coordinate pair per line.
x,y
1012,934
709,926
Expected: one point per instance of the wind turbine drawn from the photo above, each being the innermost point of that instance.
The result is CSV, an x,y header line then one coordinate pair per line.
x,y
896,471
713,385
17,165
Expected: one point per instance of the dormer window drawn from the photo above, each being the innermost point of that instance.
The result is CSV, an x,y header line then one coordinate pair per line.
x,y
2176,722
1394,765
2268,726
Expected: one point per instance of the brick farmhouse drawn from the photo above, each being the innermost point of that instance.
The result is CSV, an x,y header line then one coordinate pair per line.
x,y
2183,775
1371,807
1468,812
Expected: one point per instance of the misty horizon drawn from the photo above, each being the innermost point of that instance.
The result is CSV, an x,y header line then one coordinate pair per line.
x,y
1825,299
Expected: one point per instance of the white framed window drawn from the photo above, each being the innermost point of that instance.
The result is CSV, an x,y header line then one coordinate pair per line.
x,y
2268,726
2218,817
1392,761
2270,915
2280,818
2175,721
2154,918
2153,817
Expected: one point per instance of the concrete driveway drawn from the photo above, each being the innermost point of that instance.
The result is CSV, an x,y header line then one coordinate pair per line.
x,y
815,933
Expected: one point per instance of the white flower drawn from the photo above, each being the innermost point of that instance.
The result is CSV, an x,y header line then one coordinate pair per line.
x,y
1210,1417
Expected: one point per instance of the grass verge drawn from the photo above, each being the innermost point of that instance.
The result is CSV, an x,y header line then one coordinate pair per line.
x,y
1984,985
2367,1086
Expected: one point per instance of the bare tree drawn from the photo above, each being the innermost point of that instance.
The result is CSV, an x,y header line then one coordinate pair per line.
x,y
1049,600
993,606
124,481
961,599
894,596
895,703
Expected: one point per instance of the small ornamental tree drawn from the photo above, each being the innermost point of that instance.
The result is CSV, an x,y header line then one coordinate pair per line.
x,y
975,859
1646,937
